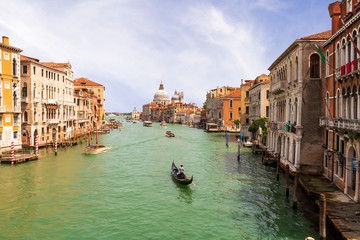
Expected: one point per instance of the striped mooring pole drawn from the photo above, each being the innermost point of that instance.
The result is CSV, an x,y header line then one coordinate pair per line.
x,y
37,145
12,153
56,146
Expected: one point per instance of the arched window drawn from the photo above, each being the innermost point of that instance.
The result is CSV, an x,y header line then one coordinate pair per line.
x,y
34,115
348,6
348,103
314,66
34,91
24,90
326,65
338,103
26,116
327,104
349,45
355,56
290,72
14,66
354,96
337,56
343,52
296,69
295,110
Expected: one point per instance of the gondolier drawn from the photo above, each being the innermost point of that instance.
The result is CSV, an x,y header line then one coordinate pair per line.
x,y
181,171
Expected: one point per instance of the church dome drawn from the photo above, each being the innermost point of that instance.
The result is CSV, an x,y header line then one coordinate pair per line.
x,y
161,95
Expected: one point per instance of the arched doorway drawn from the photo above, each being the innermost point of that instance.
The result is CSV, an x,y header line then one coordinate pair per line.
x,y
351,176
25,138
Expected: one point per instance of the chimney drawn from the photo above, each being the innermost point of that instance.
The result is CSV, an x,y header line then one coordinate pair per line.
x,y
335,12
242,82
5,40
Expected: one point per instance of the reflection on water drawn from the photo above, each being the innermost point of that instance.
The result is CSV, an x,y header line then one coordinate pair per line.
x,y
185,193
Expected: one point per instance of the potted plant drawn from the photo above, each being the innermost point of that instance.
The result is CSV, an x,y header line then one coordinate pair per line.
x,y
236,122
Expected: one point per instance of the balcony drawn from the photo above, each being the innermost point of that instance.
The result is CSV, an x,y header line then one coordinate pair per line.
x,y
341,124
348,70
52,101
279,87
36,100
52,121
24,99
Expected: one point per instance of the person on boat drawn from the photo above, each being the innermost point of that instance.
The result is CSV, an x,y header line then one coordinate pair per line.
x,y
181,172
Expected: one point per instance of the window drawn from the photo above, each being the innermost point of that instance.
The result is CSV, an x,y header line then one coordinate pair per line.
x,y
342,149
259,96
230,115
247,110
14,66
212,95
326,138
247,121
267,111
337,55
220,115
15,134
327,65
314,66
24,90
26,117
15,120
337,142
47,74
267,94
247,94
231,103
58,77
42,72
348,6
296,69
34,68
24,69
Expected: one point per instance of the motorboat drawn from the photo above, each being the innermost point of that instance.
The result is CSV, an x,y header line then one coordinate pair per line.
x,y
94,149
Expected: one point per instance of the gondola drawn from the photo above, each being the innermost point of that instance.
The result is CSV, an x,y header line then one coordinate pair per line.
x,y
183,181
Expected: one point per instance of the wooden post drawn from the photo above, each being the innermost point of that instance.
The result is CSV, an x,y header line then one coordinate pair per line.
x,y
238,150
278,168
56,146
12,153
89,138
287,179
295,199
96,137
322,216
37,145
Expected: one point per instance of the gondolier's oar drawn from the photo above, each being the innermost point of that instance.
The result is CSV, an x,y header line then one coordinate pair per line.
x,y
193,184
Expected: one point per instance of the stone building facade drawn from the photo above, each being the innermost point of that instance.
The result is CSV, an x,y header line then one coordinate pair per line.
x,y
259,98
295,100
46,101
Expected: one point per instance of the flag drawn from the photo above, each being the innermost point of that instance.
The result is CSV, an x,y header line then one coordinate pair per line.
x,y
323,58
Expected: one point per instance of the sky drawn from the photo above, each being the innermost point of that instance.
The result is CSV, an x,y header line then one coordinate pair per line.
x,y
130,46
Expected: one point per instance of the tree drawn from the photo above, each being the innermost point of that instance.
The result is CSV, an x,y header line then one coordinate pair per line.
x,y
254,127
204,105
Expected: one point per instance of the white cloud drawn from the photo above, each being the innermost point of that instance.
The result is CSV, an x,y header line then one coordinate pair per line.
x,y
130,46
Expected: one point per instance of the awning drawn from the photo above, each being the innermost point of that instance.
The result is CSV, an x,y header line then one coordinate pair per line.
x,y
51,107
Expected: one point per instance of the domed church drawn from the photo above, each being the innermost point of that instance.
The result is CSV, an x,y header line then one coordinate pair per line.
x,y
161,96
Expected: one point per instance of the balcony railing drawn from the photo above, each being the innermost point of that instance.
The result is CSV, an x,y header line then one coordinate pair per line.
x,y
52,101
24,99
279,87
36,100
52,121
339,123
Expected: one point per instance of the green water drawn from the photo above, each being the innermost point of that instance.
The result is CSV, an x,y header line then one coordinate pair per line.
x,y
127,192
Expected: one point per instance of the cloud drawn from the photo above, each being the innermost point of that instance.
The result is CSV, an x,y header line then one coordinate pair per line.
x,y
271,5
130,46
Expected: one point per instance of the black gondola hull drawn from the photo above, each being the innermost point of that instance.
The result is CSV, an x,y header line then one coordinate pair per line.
x,y
183,181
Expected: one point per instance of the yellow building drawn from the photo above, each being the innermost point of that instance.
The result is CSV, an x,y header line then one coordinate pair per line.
x,y
10,108
245,103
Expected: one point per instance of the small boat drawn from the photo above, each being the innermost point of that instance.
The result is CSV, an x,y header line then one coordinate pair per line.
x,y
94,149
183,181
170,134
134,122
248,144
147,124
163,124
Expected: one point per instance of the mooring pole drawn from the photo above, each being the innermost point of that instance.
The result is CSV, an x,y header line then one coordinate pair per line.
x,y
238,149
96,137
278,168
287,180
56,146
227,139
295,199
322,216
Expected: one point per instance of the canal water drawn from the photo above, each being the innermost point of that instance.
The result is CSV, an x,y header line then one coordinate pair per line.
x,y
127,192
